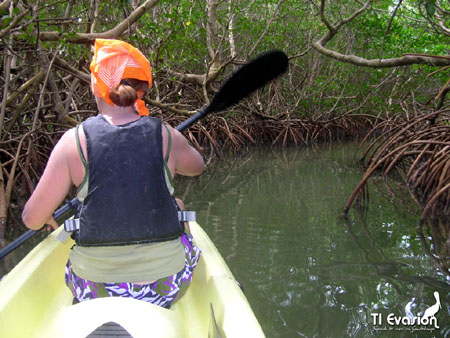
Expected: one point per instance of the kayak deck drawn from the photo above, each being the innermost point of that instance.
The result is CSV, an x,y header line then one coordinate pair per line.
x,y
35,302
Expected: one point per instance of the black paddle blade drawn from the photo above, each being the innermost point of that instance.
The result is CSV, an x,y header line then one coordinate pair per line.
x,y
250,77
246,80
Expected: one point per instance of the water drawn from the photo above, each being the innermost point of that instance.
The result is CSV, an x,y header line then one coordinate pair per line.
x,y
276,217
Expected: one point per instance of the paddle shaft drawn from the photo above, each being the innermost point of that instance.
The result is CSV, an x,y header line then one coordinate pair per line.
x,y
247,79
64,212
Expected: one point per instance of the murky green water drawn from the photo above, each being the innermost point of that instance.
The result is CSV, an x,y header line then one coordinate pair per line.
x,y
275,216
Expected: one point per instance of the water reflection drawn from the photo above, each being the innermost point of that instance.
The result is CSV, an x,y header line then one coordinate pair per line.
x,y
275,216
437,246
383,266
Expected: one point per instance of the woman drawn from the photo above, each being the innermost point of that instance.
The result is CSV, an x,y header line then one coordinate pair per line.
x,y
130,242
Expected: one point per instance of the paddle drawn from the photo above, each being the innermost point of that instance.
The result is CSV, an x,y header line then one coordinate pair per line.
x,y
63,213
243,82
246,80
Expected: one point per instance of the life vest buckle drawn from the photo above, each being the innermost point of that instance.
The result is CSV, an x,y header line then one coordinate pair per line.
x,y
72,224
187,216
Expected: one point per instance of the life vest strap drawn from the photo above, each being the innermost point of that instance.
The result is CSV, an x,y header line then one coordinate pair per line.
x,y
73,224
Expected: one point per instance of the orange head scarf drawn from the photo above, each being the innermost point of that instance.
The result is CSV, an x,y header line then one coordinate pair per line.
x,y
113,61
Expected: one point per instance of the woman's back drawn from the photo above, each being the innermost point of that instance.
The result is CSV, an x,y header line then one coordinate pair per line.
x,y
129,232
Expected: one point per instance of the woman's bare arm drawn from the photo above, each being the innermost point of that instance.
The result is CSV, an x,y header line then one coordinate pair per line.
x,y
184,159
51,189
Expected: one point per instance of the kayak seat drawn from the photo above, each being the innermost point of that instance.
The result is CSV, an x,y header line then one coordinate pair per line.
x,y
125,317
108,330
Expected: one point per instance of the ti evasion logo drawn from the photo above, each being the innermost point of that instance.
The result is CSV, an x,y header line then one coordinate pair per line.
x,y
426,322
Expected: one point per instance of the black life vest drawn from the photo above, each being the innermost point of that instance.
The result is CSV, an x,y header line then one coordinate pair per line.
x,y
128,201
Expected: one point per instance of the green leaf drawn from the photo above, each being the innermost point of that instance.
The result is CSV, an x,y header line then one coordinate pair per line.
x,y
431,8
6,22
70,35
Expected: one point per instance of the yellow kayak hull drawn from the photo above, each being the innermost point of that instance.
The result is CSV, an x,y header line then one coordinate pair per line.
x,y
35,302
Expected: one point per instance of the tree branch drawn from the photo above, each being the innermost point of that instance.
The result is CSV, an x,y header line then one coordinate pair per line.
x,y
269,23
211,29
404,60
62,64
167,107
13,23
89,38
23,88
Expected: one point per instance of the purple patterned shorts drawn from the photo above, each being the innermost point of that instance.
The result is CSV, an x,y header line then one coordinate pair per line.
x,y
163,292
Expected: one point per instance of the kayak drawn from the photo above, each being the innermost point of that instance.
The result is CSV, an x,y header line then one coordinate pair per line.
x,y
35,302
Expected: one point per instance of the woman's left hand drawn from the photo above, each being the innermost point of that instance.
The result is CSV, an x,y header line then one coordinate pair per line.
x,y
51,224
